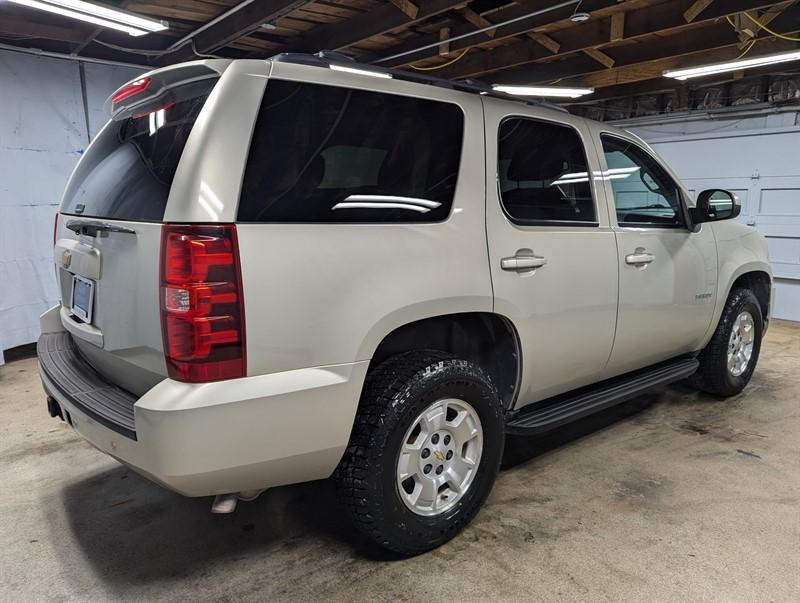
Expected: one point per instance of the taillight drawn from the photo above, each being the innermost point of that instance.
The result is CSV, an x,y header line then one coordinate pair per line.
x,y
55,229
202,306
132,89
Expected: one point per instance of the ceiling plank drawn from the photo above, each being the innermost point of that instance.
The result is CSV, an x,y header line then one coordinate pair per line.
x,y
600,56
617,27
235,26
444,47
550,43
691,13
639,23
409,8
477,20
377,21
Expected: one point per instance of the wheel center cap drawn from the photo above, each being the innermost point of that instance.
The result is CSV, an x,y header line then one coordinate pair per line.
x,y
439,455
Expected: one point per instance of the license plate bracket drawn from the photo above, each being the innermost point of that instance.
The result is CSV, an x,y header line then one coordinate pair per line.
x,y
82,298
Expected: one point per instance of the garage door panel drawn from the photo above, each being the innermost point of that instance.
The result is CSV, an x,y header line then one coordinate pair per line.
x,y
780,201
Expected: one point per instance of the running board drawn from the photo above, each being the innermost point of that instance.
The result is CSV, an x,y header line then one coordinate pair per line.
x,y
560,410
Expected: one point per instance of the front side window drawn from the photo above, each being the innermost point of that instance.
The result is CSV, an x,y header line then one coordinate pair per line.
x,y
542,173
644,193
330,154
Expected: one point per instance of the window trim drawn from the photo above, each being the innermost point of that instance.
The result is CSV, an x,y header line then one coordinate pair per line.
x,y
681,209
555,223
461,156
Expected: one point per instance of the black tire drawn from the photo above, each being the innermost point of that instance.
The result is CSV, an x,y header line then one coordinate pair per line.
x,y
713,375
395,394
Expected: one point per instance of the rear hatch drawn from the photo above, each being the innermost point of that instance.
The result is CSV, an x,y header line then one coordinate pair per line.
x,y
108,233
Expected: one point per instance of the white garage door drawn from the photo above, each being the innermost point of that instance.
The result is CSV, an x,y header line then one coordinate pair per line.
x,y
762,165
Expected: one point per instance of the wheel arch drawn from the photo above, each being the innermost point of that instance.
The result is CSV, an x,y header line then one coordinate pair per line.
x,y
485,338
760,283
757,276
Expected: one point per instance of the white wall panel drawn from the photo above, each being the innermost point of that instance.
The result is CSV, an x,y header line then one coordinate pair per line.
x,y
43,132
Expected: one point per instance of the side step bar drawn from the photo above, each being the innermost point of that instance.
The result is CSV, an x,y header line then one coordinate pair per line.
x,y
560,410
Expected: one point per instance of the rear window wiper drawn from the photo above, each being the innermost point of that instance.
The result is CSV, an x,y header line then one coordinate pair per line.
x,y
91,228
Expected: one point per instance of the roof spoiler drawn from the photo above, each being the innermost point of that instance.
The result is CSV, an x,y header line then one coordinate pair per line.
x,y
159,88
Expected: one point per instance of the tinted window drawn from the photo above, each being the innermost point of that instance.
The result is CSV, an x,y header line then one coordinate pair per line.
x,y
330,154
644,193
127,172
543,173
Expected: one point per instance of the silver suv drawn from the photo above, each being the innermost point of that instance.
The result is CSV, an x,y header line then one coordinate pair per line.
x,y
275,271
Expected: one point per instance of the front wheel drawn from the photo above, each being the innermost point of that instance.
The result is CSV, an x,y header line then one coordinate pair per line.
x,y
425,450
729,359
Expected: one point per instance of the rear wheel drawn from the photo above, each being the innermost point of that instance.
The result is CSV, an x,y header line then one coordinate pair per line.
x,y
424,452
729,359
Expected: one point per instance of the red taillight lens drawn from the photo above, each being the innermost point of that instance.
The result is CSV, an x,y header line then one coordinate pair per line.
x,y
132,89
202,306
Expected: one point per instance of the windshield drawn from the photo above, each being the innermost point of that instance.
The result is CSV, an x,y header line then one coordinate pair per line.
x,y
127,172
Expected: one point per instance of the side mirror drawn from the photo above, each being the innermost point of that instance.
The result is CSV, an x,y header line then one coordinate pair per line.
x,y
715,204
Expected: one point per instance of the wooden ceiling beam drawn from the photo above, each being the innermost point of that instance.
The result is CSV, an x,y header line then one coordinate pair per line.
x,y
548,42
35,29
716,42
477,20
409,8
375,22
643,22
234,26
617,27
513,11
691,13
601,57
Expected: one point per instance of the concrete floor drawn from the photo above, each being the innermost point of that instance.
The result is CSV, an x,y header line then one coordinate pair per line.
x,y
672,497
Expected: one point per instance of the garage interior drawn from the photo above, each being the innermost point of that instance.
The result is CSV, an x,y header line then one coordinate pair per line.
x,y
672,496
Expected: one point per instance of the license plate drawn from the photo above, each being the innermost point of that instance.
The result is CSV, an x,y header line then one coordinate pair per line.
x,y
82,297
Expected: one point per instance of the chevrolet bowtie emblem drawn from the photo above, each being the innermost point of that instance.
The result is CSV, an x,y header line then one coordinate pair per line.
x,y
66,258
438,454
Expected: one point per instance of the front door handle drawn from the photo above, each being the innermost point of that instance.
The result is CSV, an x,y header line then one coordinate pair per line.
x,y
523,261
639,257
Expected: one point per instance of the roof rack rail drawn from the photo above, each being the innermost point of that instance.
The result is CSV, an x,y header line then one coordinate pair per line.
x,y
326,58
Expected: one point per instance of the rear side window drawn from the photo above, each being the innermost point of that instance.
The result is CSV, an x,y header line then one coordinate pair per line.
x,y
331,154
127,172
543,174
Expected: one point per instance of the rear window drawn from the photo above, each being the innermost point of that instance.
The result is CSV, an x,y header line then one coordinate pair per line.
x,y
543,174
330,154
127,172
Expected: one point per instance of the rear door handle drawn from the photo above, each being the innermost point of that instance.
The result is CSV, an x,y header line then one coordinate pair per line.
x,y
523,261
639,258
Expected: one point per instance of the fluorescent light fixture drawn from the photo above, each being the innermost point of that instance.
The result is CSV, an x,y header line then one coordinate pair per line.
x,y
553,91
387,76
685,74
97,15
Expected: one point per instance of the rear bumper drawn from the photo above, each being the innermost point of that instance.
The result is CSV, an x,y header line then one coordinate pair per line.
x,y
227,436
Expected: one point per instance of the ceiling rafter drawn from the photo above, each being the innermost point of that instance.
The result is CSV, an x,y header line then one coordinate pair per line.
x,y
639,23
646,61
378,21
235,26
512,11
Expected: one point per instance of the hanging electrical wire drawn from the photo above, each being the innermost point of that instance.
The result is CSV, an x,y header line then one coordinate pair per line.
x,y
747,49
768,30
442,66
